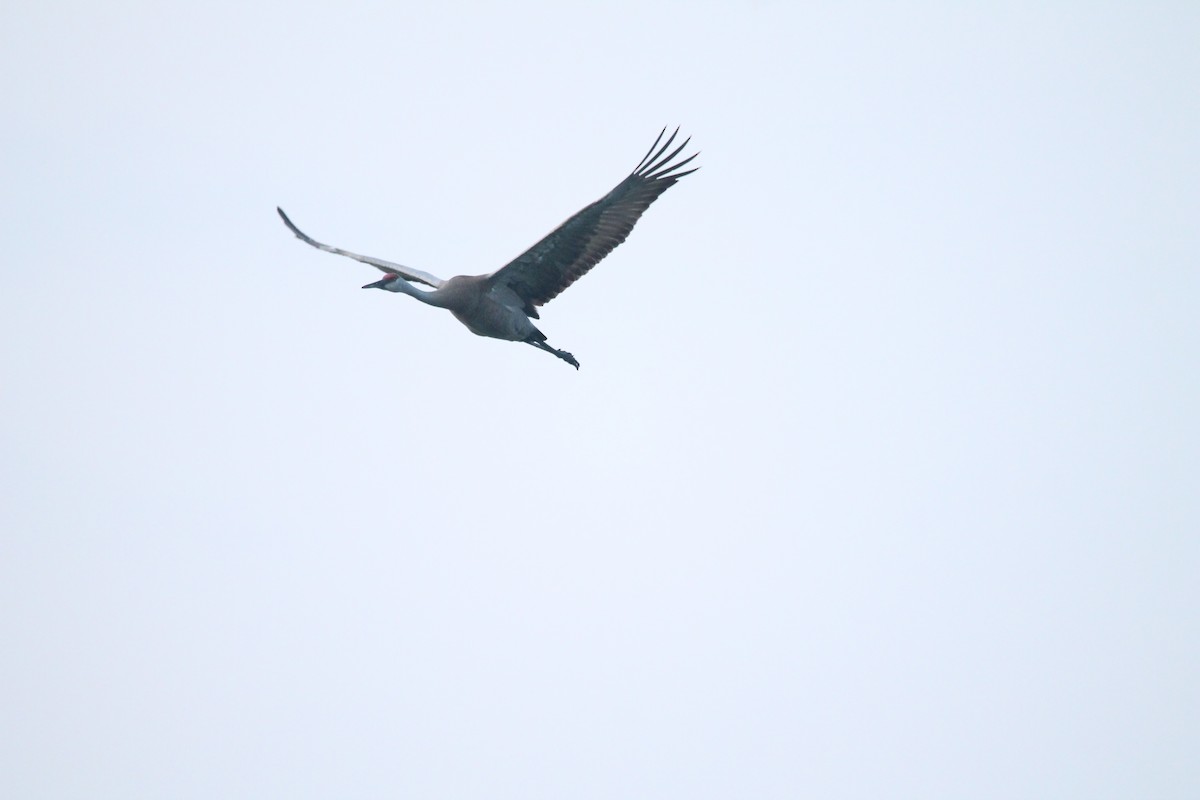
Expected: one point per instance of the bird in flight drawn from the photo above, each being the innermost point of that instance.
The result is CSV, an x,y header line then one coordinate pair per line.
x,y
501,304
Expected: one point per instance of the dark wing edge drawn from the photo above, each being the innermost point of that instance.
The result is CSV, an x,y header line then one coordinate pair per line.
x,y
389,267
568,252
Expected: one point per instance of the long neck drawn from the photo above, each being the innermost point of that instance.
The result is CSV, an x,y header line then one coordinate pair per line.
x,y
404,287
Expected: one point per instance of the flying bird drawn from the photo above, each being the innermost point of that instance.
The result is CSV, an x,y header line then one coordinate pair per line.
x,y
501,304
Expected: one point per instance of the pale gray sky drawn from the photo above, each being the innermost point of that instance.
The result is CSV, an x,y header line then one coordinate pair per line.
x,y
880,477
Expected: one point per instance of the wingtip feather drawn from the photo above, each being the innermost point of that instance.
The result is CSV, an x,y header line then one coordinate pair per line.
x,y
651,150
286,221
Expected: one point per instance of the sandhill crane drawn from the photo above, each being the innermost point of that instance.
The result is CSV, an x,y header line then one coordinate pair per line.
x,y
501,304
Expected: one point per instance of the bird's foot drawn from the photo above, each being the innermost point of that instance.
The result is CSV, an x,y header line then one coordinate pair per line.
x,y
567,357
563,354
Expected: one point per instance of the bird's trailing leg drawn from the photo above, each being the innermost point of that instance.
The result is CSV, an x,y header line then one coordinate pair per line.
x,y
563,354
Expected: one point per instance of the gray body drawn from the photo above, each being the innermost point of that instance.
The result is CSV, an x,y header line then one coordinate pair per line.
x,y
500,305
486,309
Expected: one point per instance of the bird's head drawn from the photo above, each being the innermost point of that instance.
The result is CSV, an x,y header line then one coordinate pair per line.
x,y
384,282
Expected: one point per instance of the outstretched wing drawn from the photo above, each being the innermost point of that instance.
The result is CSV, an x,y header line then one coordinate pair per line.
x,y
539,274
385,266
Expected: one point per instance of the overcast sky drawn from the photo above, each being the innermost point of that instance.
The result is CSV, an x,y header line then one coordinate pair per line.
x,y
880,478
